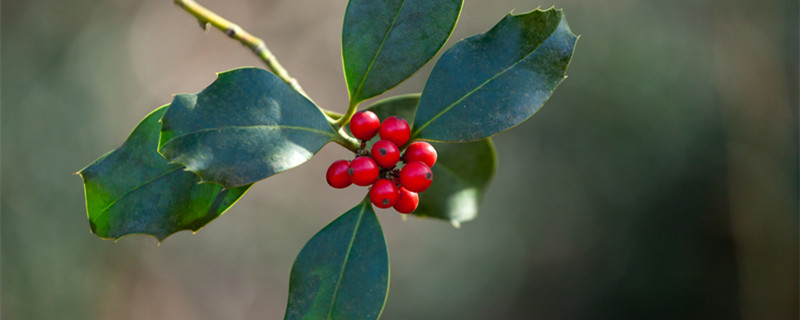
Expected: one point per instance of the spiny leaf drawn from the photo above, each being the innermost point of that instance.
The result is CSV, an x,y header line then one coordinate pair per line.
x,y
133,189
385,42
246,126
494,81
343,271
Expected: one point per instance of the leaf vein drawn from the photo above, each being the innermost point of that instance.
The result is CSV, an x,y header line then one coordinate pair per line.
x,y
445,110
260,126
149,181
346,258
377,53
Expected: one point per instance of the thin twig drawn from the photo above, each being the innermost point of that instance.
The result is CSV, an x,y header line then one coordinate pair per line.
x,y
206,17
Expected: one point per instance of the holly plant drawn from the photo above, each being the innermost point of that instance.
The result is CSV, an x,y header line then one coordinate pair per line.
x,y
427,154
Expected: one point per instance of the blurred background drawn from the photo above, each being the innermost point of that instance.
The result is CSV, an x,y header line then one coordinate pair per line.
x,y
659,182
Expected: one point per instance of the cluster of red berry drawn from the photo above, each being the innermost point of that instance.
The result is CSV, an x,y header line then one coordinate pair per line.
x,y
391,186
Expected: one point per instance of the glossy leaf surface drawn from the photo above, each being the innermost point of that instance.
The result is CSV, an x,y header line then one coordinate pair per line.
x,y
385,42
133,189
491,82
246,126
343,271
461,174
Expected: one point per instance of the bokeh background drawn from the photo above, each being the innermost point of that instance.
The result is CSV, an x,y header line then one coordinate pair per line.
x,y
659,182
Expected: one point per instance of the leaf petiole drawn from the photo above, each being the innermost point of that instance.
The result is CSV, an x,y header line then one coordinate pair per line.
x,y
351,110
331,116
346,140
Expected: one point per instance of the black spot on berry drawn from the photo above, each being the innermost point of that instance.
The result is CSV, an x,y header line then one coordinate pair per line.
x,y
382,151
350,171
429,175
385,202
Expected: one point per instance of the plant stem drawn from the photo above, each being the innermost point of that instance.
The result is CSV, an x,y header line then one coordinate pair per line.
x,y
351,110
232,30
347,141
206,17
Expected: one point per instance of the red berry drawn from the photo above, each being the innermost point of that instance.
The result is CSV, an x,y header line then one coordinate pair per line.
x,y
383,193
420,151
364,125
407,201
337,174
416,176
396,130
385,153
363,171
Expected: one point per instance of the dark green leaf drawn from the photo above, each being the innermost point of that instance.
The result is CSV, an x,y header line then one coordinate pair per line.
x,y
343,271
491,82
134,190
461,174
385,42
246,126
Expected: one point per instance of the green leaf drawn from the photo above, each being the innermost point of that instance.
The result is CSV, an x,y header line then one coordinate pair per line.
x,y
461,174
494,81
133,189
246,126
343,271
385,42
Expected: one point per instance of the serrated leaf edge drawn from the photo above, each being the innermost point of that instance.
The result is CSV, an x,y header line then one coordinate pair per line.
x,y
416,132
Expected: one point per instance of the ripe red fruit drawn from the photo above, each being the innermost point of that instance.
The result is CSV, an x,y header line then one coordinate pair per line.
x,y
383,193
407,201
364,125
337,174
396,130
385,153
416,176
420,151
363,171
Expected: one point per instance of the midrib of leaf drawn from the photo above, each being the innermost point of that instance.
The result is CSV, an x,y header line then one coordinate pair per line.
x,y
416,132
346,258
380,49
104,211
260,126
